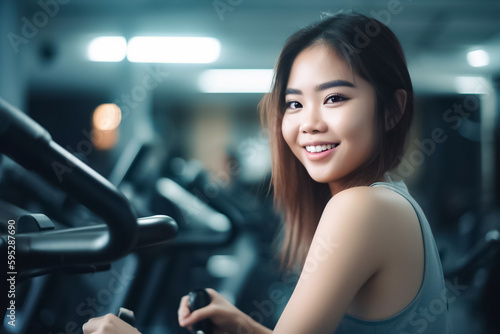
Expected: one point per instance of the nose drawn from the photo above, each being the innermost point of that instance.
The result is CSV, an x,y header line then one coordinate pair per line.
x,y
313,121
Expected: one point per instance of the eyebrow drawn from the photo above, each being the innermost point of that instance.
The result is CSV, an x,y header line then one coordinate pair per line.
x,y
323,86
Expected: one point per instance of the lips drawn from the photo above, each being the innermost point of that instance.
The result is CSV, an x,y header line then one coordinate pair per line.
x,y
318,151
320,148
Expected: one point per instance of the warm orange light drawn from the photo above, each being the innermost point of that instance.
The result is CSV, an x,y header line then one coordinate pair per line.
x,y
104,139
107,117
105,121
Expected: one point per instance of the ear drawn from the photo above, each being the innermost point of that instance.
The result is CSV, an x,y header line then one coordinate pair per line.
x,y
393,118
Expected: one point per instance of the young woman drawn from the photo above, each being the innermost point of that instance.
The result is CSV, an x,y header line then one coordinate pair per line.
x,y
339,110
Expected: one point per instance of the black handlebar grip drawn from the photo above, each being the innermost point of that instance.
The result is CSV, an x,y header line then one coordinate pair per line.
x,y
127,316
199,298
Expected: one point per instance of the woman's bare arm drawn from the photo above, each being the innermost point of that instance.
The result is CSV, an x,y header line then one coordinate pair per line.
x,y
348,248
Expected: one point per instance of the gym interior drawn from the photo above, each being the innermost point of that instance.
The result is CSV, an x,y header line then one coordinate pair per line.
x,y
154,179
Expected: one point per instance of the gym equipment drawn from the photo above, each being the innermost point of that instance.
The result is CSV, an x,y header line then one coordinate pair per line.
x,y
126,315
154,290
199,298
481,252
82,249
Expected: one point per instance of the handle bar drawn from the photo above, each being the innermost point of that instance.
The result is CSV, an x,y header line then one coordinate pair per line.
x,y
30,145
33,250
491,241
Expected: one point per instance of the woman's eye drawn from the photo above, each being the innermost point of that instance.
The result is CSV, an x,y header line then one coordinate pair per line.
x,y
293,105
335,99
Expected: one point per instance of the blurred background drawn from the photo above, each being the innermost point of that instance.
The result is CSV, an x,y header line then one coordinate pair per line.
x,y
181,136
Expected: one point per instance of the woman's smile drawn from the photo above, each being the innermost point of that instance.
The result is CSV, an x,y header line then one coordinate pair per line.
x,y
315,152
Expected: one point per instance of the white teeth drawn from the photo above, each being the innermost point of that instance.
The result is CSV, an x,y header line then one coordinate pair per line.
x,y
320,148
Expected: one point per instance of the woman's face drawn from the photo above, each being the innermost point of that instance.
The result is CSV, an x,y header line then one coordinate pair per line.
x,y
330,115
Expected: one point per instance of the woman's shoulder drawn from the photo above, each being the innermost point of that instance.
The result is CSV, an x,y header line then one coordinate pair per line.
x,y
372,199
375,210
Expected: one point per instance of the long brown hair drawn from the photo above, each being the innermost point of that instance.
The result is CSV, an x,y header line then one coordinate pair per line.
x,y
374,53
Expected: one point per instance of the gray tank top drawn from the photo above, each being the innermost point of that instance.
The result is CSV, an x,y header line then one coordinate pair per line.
x,y
428,311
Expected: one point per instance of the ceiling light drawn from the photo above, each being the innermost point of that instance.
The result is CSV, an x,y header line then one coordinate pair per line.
x,y
478,58
236,81
108,48
471,85
145,49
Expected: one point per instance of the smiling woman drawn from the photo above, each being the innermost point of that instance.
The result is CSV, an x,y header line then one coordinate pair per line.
x,y
339,120
369,91
340,116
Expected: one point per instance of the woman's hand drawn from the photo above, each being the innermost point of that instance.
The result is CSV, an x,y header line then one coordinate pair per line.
x,y
108,324
226,317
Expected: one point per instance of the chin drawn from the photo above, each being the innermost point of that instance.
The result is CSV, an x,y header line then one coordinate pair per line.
x,y
321,178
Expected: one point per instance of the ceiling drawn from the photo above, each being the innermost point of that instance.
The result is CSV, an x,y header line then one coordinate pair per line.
x,y
435,36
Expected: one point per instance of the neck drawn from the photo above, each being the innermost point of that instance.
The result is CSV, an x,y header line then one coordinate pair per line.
x,y
338,186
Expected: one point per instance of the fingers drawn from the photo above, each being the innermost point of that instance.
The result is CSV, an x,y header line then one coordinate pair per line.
x,y
92,325
213,294
197,315
183,311
187,318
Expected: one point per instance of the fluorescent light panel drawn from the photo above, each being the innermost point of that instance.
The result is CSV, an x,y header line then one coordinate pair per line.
x,y
108,49
149,49
236,81
478,58
471,85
